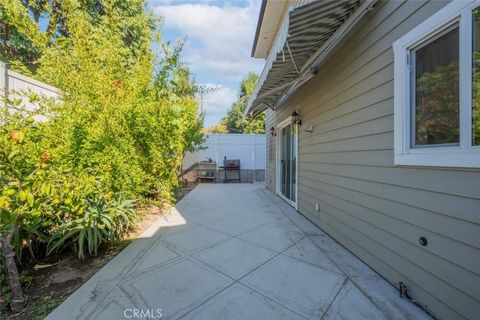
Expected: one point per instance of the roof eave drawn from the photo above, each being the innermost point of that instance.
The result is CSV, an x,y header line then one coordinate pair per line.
x,y
314,61
259,26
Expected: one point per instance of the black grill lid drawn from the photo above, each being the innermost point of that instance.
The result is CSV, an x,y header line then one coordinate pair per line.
x,y
231,164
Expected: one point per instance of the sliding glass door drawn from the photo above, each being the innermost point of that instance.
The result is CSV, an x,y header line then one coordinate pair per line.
x,y
287,163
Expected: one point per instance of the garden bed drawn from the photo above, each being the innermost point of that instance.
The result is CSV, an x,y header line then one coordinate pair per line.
x,y
52,280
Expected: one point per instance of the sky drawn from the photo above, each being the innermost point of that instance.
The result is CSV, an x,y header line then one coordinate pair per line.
x,y
218,41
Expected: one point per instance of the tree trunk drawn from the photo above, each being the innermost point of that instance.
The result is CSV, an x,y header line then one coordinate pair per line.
x,y
18,301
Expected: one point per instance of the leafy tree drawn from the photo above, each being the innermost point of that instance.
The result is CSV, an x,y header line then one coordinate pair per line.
x,y
216,128
476,99
118,136
235,121
23,41
436,115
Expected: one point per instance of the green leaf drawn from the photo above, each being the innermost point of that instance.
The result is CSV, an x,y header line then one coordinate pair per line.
x,y
36,213
45,188
13,154
16,102
58,240
22,195
30,199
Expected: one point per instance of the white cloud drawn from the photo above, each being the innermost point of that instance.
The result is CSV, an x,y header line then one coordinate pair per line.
x,y
216,103
219,39
218,43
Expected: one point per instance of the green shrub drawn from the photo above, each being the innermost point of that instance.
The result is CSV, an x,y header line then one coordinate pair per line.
x,y
102,221
119,133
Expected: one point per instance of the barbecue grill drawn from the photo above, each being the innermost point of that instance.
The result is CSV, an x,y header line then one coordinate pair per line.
x,y
231,167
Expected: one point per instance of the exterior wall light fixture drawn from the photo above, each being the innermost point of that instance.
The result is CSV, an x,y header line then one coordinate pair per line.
x,y
296,118
272,131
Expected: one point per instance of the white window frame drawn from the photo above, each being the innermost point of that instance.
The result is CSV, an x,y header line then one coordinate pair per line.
x,y
464,154
278,191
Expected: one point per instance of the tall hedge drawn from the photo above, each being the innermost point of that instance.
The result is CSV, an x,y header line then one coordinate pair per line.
x,y
72,169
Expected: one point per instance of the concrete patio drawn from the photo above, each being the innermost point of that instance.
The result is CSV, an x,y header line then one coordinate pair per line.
x,y
235,251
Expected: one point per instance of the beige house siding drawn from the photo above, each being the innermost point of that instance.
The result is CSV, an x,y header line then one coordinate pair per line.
x,y
375,209
270,150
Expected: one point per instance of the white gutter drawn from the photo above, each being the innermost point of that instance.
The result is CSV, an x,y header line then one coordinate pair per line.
x,y
309,69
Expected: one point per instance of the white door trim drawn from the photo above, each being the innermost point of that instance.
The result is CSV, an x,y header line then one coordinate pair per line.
x,y
278,129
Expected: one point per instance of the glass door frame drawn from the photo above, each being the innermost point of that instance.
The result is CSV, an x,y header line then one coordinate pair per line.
x,y
278,163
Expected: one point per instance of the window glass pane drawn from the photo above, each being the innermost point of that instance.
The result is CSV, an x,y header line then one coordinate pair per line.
x,y
476,79
436,87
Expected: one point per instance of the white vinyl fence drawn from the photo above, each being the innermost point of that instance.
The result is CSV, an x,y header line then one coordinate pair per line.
x,y
249,148
12,82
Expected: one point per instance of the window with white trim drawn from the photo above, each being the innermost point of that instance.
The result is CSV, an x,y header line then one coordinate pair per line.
x,y
437,90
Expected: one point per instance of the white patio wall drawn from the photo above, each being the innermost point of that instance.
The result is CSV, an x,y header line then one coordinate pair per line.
x,y
11,82
249,148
